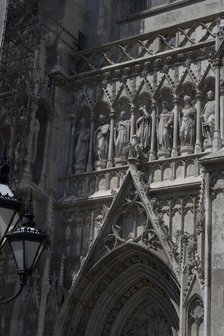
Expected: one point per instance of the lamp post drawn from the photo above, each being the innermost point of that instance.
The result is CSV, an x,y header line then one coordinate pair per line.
x,y
26,241
9,205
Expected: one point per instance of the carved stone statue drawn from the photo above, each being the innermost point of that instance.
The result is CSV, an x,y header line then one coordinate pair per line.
x,y
82,147
187,125
98,221
164,130
36,129
122,136
143,128
102,141
208,118
134,149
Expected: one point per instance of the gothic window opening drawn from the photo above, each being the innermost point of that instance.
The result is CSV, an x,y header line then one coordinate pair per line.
x,y
136,6
195,317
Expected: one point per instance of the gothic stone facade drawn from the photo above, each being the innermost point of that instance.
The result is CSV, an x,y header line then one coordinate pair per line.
x,y
114,115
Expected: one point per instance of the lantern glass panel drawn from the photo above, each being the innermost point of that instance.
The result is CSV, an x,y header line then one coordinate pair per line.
x,y
39,253
31,251
18,252
6,216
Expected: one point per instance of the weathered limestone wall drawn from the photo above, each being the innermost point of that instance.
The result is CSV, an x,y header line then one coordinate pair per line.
x,y
106,23
217,259
166,18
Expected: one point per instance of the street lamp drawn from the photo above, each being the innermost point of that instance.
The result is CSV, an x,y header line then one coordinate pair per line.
x,y
26,241
9,205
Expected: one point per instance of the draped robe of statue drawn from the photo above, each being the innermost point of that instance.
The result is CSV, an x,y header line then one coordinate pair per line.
x,y
82,148
187,125
143,128
164,130
122,136
102,140
208,117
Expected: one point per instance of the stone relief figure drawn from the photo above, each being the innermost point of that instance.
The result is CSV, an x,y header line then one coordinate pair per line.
x,y
143,128
102,141
122,136
187,125
164,130
82,147
98,221
208,118
36,130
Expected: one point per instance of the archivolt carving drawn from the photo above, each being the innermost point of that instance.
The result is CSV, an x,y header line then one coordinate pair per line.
x,y
150,320
124,299
104,283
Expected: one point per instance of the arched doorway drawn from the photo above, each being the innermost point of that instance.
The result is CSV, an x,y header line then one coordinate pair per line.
x,y
130,291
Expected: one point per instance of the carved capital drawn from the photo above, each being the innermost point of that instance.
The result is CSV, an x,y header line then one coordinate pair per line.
x,y
133,108
222,87
112,113
198,95
176,100
217,62
154,104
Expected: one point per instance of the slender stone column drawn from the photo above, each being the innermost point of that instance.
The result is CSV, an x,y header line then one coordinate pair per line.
x,y
175,126
222,111
198,146
217,134
45,156
132,120
111,140
45,289
152,154
71,150
184,243
90,156
207,285
34,109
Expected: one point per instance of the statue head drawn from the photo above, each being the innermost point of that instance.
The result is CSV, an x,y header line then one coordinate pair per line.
x,y
83,123
134,140
165,105
102,119
123,115
210,95
141,108
187,99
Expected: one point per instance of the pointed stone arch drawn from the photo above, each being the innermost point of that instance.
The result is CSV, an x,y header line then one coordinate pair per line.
x,y
107,294
118,266
208,73
84,101
166,82
195,316
188,78
122,104
124,92
144,88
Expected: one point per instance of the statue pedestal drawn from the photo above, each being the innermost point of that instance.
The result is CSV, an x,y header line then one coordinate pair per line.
x,y
122,161
133,161
207,145
102,164
186,150
163,153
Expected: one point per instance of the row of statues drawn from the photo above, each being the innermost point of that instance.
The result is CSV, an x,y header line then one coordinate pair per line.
x,y
121,136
